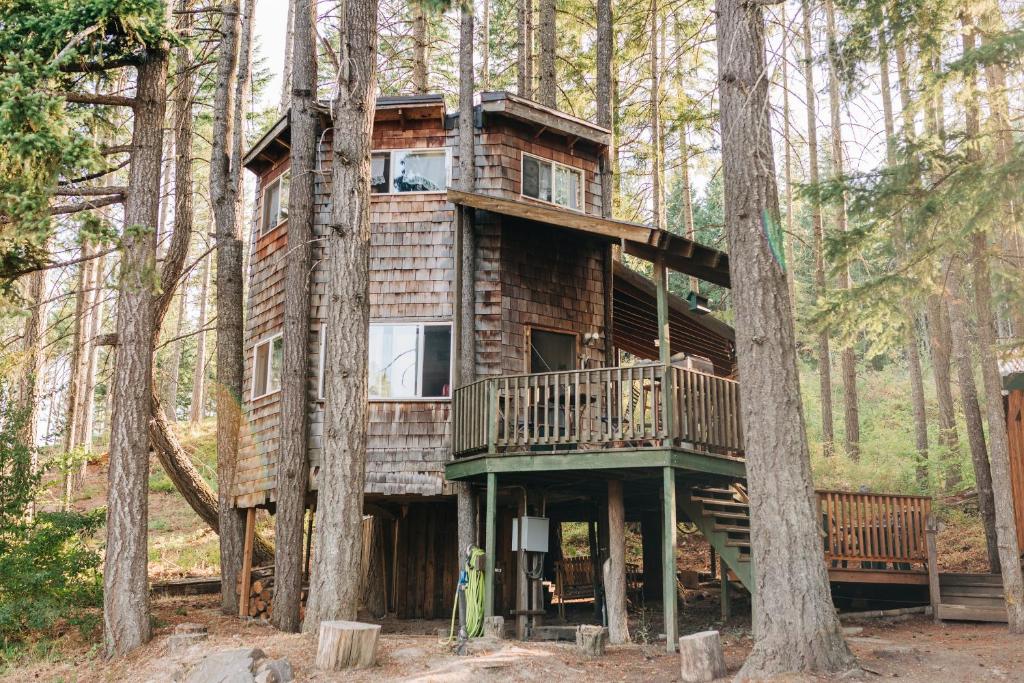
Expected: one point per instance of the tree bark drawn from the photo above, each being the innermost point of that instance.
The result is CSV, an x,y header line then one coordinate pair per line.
x,y
524,48
173,374
230,97
848,358
292,465
126,623
657,169
911,341
824,356
420,85
33,338
615,576
1006,527
605,51
335,578
792,634
485,47
286,66
198,407
547,87
788,161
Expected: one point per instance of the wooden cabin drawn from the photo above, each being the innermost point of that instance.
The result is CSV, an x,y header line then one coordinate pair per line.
x,y
586,370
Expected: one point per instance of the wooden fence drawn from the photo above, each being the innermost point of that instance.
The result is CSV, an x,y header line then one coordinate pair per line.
x,y
865,527
645,405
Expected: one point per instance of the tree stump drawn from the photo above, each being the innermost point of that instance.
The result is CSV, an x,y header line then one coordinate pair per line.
x,y
346,645
700,657
591,640
494,627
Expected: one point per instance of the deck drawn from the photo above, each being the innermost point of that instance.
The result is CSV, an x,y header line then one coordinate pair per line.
x,y
645,415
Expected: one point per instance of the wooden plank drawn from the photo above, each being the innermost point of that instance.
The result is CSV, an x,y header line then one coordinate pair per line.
x,y
934,591
668,561
250,535
966,613
490,540
879,576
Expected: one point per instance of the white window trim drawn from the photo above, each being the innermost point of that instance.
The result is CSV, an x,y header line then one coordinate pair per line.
x,y
391,167
419,360
255,354
263,206
583,183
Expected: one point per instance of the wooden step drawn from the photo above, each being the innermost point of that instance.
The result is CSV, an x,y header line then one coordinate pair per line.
x,y
717,501
725,515
734,529
966,613
736,543
993,580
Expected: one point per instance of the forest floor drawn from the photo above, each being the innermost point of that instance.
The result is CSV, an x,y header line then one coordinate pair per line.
x,y
915,650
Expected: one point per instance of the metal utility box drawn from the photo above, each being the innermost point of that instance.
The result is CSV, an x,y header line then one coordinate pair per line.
x,y
535,534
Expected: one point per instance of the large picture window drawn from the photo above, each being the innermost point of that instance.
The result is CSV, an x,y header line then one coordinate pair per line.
x,y
409,170
267,358
550,181
275,203
410,360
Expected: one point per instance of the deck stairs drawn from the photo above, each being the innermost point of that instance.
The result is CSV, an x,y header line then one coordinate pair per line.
x,y
971,597
723,517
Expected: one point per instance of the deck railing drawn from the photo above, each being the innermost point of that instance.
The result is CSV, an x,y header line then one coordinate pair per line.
x,y
865,527
648,405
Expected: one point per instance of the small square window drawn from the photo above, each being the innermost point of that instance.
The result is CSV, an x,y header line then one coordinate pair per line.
x,y
380,172
552,182
409,170
268,358
275,203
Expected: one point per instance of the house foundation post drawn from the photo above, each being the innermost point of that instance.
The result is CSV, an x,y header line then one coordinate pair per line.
x,y
668,555
490,541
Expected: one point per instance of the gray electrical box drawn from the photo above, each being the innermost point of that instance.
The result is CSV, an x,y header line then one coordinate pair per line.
x,y
534,534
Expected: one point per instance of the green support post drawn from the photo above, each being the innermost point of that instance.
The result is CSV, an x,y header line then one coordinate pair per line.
x,y
492,416
665,349
726,599
490,537
668,554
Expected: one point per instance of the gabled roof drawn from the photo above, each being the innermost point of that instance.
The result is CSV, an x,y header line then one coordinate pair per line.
x,y
528,111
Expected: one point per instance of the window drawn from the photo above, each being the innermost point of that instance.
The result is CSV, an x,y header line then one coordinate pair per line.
x,y
410,360
409,170
552,351
275,203
267,366
550,181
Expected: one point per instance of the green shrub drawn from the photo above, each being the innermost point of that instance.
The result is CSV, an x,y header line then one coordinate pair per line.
x,y
48,573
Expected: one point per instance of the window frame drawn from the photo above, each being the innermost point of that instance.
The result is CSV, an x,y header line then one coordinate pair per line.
x,y
419,324
391,170
582,198
266,341
552,330
265,229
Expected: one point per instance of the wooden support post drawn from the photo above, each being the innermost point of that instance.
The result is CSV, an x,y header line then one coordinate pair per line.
x,y
713,560
490,541
668,555
492,416
309,543
522,582
665,349
726,598
250,535
650,532
934,592
595,562
615,566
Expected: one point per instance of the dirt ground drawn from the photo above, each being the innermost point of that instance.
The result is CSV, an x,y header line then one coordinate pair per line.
x,y
915,650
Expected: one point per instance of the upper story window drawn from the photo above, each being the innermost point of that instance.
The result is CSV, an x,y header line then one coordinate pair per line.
x,y
409,170
267,359
410,360
550,181
275,203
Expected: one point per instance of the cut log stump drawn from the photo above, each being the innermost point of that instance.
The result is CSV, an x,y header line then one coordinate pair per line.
x,y
700,657
347,645
494,627
590,640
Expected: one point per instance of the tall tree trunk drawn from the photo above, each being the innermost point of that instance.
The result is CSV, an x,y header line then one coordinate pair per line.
x,y
795,625
466,254
81,356
824,356
32,341
293,464
95,328
126,622
524,48
419,48
911,341
173,374
999,454
851,410
605,51
547,88
788,153
657,168
336,577
198,407
230,97
485,47
286,66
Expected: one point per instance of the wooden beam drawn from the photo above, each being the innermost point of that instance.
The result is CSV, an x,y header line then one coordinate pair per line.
x,y
669,598
724,581
934,591
250,535
552,215
490,541
537,114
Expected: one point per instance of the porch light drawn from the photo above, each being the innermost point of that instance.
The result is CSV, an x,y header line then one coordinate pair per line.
x,y
698,303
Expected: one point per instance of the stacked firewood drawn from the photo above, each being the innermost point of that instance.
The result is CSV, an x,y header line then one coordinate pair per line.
x,y
261,591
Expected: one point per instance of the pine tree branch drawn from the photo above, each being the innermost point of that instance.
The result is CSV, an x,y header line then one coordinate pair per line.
x,y
93,98
63,209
